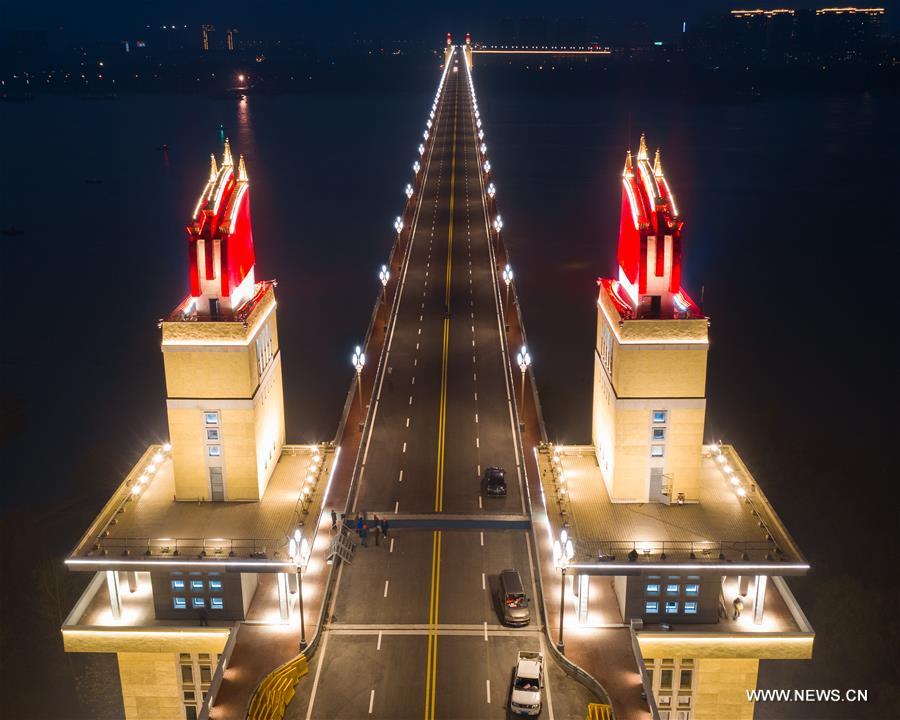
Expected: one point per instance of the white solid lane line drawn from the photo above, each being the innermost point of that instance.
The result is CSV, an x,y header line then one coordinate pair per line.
x,y
386,582
371,701
378,646
485,631
483,582
489,692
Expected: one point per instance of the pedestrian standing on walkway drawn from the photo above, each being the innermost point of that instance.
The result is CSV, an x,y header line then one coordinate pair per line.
x,y
333,519
738,607
364,535
384,527
359,523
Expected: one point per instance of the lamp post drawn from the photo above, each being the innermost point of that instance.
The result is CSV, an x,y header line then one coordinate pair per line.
x,y
524,359
507,278
498,226
384,275
298,549
563,552
359,362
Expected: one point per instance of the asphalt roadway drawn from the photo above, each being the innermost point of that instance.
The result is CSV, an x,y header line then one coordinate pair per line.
x,y
414,630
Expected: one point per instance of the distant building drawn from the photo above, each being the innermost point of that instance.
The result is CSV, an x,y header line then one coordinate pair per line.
x,y
208,36
229,38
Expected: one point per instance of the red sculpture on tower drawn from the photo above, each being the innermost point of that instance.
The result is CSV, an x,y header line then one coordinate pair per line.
x,y
649,254
220,243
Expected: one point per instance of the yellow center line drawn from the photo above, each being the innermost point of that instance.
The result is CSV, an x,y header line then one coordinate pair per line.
x,y
431,668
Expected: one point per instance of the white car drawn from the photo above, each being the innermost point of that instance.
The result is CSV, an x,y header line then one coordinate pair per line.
x,y
528,679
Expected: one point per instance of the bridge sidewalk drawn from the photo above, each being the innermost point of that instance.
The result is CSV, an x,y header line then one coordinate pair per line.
x,y
603,652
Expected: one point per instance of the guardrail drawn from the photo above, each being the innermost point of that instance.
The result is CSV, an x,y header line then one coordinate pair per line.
x,y
219,674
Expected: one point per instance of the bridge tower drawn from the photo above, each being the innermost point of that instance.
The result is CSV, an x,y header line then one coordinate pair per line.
x,y
220,351
467,52
650,354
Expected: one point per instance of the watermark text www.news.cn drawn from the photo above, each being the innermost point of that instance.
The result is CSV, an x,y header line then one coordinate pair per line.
x,y
808,695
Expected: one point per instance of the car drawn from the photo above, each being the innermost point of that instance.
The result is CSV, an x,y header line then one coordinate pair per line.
x,y
528,679
513,602
495,482
511,598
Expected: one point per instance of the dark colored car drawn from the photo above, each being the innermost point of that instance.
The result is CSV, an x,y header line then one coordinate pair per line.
x,y
495,482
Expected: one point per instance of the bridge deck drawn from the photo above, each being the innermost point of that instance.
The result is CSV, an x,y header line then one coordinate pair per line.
x,y
414,628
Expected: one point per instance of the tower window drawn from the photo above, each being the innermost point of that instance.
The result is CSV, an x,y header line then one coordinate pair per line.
x,y
690,607
179,603
216,603
657,451
659,434
198,603
671,607
212,433
211,417
215,450
660,416
651,607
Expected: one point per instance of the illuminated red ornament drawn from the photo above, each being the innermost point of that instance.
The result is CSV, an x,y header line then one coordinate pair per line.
x,y
220,240
649,253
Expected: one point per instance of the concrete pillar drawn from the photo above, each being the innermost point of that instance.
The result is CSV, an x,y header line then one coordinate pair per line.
x,y
112,586
132,580
743,583
583,585
284,604
759,601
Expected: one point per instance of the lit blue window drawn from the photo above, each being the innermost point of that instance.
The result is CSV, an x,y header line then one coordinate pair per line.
x,y
672,589
196,586
215,584
212,433
216,603
198,603
177,585
690,607
657,450
660,416
179,603
652,588
692,589
212,418
651,607
671,607
215,450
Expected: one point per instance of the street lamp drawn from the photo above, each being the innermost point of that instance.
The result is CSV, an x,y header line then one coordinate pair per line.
x,y
491,190
359,362
398,224
408,191
563,552
384,275
421,149
416,167
298,550
524,359
507,278
498,224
